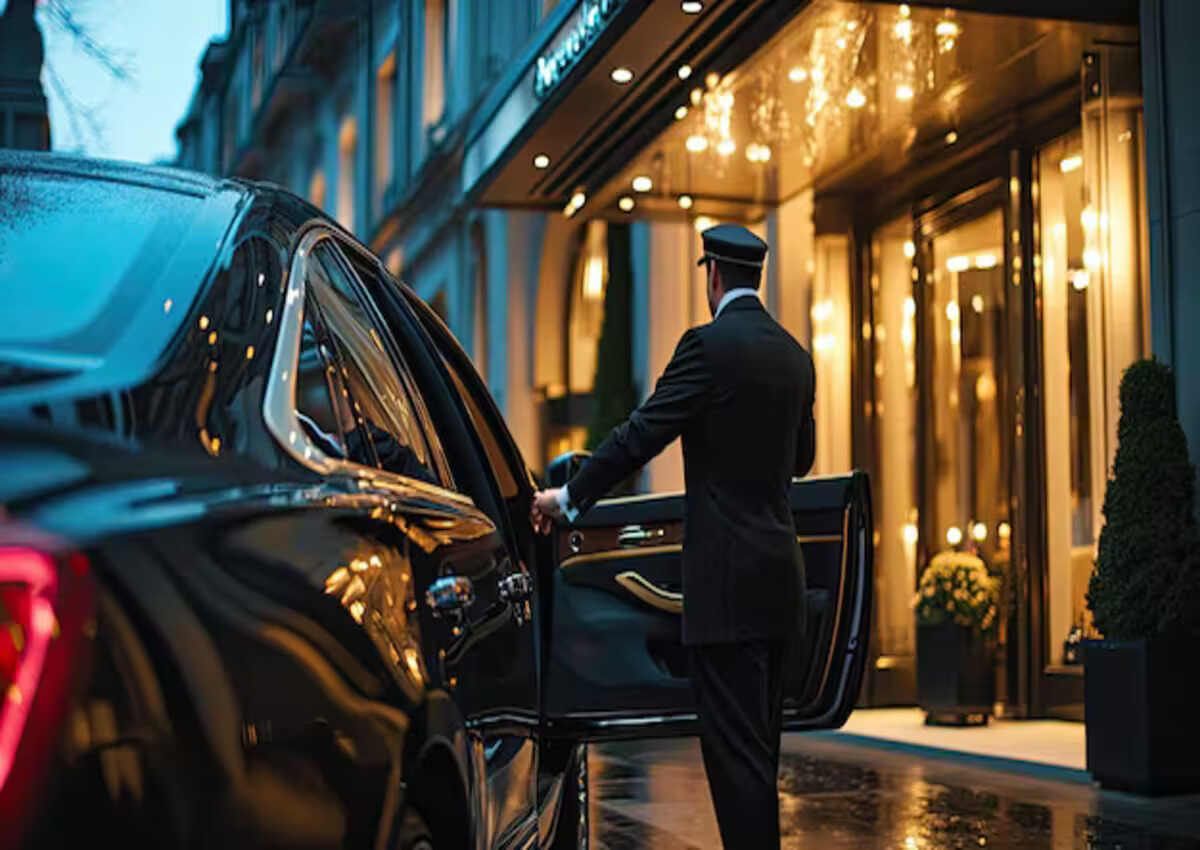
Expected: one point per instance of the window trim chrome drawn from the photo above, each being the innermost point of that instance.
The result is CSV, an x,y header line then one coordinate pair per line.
x,y
279,400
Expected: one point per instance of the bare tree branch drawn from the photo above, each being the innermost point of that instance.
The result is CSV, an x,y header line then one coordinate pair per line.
x,y
120,66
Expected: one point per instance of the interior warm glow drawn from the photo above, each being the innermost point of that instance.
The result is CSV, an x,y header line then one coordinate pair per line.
x,y
985,261
904,92
697,143
954,535
725,147
910,249
1080,280
798,74
593,278
1071,163
855,98
958,263
979,532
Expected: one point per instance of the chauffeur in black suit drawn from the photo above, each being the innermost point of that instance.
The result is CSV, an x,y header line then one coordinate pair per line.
x,y
739,391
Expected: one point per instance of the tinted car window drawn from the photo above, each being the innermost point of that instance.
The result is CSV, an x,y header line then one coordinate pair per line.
x,y
78,256
384,415
318,390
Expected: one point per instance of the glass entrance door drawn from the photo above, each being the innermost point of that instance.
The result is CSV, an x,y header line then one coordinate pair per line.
x,y
967,496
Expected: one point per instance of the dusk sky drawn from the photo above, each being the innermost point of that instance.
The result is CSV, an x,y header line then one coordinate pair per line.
x,y
161,41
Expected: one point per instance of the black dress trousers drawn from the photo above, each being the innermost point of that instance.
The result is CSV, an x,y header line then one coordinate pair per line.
x,y
739,696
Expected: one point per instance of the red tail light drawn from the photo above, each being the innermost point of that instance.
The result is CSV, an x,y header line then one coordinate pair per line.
x,y
46,611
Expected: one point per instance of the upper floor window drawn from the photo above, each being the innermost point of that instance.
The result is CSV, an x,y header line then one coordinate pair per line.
x,y
316,189
257,66
385,102
433,97
347,172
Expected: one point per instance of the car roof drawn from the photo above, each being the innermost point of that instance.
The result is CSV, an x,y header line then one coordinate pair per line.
x,y
153,176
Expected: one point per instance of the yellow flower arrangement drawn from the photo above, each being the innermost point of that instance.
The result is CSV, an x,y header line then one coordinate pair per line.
x,y
956,587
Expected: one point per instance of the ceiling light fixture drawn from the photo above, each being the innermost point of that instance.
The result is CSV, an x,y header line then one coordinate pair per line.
x,y
703,223
681,113
696,143
625,203
642,183
684,71
691,7
621,76
1070,163
541,161
951,137
685,202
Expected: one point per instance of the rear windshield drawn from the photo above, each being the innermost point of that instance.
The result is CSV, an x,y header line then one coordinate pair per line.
x,y
79,257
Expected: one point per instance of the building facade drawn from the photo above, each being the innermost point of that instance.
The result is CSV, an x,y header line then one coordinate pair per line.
x,y
980,212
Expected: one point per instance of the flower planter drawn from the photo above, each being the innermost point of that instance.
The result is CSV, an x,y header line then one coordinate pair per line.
x,y
956,682
1139,710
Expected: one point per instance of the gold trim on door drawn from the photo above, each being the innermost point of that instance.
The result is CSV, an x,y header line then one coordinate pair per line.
x,y
667,549
648,592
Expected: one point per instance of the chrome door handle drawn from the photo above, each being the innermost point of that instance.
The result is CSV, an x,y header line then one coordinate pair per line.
x,y
636,535
450,595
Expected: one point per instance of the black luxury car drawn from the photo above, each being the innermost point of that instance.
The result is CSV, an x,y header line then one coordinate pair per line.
x,y
267,577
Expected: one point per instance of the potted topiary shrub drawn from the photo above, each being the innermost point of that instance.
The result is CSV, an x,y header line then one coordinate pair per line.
x,y
956,617
1144,596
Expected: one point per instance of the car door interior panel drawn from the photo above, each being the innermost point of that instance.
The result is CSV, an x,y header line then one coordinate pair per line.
x,y
617,666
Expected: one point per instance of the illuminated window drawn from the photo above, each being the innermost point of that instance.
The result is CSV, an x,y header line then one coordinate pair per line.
x,y
316,189
433,100
347,173
385,101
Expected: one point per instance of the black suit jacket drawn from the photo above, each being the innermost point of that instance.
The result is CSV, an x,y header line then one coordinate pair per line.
x,y
739,390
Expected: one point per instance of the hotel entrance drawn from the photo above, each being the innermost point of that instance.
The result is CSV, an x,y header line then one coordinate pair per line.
x,y
954,199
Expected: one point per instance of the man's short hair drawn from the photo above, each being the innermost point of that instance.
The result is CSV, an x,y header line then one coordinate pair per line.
x,y
738,276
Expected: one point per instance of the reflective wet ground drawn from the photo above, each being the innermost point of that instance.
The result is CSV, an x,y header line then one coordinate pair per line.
x,y
652,795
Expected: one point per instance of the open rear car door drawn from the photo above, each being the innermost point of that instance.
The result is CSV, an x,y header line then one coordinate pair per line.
x,y
617,667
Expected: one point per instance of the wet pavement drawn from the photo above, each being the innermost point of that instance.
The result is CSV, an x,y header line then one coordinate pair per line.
x,y
652,795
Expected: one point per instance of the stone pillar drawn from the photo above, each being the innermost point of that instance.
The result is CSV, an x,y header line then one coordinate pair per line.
x,y
24,119
1170,68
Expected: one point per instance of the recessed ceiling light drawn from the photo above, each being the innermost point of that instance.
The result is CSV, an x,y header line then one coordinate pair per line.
x,y
621,75
691,7
951,137
696,143
642,183
685,71
541,161
625,203
685,202
702,223
681,113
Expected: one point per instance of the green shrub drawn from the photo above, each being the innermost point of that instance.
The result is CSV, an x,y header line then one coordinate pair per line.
x,y
957,588
1147,576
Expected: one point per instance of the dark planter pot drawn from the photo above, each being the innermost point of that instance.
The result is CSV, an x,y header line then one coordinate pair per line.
x,y
956,682
1139,709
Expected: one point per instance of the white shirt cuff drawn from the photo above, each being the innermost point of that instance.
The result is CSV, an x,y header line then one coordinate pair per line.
x,y
564,504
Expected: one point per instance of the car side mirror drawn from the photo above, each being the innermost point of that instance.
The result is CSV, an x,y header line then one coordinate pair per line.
x,y
563,468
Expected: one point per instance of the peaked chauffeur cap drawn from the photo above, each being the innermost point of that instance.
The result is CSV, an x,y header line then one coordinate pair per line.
x,y
732,243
